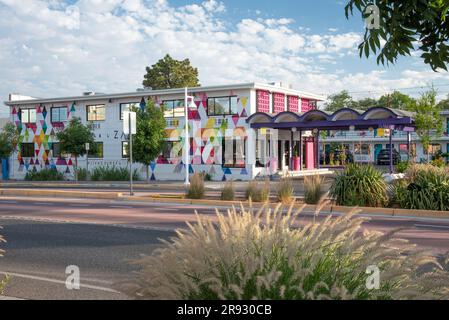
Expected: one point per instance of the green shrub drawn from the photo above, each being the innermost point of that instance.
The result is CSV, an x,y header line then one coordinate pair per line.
x,y
82,174
112,174
425,187
285,191
196,189
257,192
245,255
44,175
313,189
228,192
402,167
360,185
439,162
207,177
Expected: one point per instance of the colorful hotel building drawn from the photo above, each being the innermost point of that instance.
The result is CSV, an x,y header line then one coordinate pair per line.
x,y
237,132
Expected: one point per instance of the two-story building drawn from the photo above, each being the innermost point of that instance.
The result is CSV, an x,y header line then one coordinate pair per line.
x,y
219,114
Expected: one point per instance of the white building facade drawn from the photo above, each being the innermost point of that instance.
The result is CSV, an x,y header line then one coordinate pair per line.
x,y
222,144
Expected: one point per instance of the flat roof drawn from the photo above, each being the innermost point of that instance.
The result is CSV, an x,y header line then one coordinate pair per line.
x,y
146,93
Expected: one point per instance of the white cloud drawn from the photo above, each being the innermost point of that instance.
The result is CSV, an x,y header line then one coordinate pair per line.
x,y
50,48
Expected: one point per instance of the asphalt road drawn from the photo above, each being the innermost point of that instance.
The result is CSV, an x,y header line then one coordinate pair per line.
x,y
38,253
47,235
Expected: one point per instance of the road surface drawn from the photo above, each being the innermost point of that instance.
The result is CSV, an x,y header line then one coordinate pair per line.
x,y
47,235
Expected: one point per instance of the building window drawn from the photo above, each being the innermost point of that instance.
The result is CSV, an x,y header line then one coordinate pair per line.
x,y
56,150
58,114
27,150
125,149
222,106
96,112
173,108
127,107
433,149
28,115
97,152
234,152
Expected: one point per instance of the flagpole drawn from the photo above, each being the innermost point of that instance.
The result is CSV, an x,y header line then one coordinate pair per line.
x,y
187,141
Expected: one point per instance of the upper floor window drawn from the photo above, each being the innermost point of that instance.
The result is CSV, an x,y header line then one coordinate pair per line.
x,y
58,114
127,107
96,112
222,106
173,108
28,115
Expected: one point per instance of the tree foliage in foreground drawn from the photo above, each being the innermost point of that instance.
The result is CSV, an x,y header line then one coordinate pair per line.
x,y
73,140
149,141
406,26
9,138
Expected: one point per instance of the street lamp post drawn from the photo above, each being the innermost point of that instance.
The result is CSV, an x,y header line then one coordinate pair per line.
x,y
186,141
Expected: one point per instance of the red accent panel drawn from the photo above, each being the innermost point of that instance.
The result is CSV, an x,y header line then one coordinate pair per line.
x,y
278,102
306,105
293,104
263,101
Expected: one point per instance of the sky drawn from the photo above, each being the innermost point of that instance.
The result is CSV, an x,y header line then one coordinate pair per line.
x,y
51,48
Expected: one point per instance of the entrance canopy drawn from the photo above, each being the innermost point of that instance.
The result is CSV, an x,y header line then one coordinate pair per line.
x,y
344,119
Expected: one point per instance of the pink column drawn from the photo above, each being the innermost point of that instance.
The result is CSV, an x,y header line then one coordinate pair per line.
x,y
310,154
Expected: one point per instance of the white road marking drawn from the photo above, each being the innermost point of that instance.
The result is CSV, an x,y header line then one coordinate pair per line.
x,y
25,276
121,207
431,226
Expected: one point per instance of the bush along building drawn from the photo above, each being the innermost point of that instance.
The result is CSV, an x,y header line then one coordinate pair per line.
x,y
236,132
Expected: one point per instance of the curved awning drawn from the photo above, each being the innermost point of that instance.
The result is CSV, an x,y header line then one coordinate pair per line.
x,y
343,119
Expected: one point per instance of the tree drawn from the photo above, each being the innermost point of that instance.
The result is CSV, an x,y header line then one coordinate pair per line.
x,y
429,124
169,73
406,26
338,101
73,140
365,104
396,100
444,104
9,138
149,141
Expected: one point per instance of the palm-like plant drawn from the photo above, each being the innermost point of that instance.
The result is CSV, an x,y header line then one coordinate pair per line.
x,y
360,185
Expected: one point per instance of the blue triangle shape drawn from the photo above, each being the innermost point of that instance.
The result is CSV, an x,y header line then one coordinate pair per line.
x,y
191,169
227,171
224,178
153,178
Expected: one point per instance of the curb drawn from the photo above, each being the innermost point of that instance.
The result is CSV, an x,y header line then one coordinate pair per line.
x,y
388,212
60,193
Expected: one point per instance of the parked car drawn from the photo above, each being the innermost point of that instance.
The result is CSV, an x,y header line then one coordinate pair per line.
x,y
384,157
337,157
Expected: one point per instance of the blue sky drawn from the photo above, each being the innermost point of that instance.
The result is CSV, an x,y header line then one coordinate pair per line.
x,y
57,48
